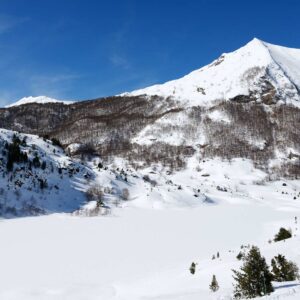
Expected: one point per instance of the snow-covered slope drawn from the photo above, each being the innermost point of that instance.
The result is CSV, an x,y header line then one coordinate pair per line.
x,y
242,72
144,247
288,59
44,180
39,99
143,251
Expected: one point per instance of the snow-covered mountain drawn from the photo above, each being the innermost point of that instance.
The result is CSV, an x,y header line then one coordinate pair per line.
x,y
259,69
198,173
37,177
246,104
39,100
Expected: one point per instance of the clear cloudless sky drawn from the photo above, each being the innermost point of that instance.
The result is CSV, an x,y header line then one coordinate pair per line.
x,y
84,49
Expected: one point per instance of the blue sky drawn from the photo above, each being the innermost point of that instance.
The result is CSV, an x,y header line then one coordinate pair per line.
x,y
84,49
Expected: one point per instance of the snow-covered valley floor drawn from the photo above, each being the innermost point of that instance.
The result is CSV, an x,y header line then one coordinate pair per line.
x,y
160,221
141,253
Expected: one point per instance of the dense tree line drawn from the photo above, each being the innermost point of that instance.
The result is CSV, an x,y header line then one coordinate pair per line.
x,y
254,130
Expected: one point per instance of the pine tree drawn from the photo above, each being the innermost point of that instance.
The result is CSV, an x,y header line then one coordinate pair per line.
x,y
254,278
283,234
193,268
214,286
24,143
56,142
36,161
284,270
9,165
44,165
30,165
240,255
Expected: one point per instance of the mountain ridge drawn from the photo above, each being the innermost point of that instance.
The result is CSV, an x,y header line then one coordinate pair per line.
x,y
231,72
246,107
37,99
281,65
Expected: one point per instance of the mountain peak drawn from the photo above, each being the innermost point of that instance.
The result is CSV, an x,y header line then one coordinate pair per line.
x,y
239,73
256,41
38,99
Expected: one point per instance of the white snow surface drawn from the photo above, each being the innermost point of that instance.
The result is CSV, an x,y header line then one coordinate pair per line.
x,y
288,59
20,189
236,73
38,99
144,248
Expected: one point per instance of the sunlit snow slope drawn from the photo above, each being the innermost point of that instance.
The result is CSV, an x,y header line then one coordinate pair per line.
x,y
241,72
38,99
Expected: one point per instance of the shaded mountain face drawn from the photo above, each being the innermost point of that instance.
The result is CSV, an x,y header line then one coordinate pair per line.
x,y
245,104
36,177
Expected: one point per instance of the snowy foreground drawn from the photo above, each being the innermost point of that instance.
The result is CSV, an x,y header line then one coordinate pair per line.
x,y
144,252
143,248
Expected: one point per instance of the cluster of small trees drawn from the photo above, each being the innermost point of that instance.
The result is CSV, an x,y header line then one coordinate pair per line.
x,y
125,194
56,142
95,193
251,122
115,126
214,286
254,279
14,153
